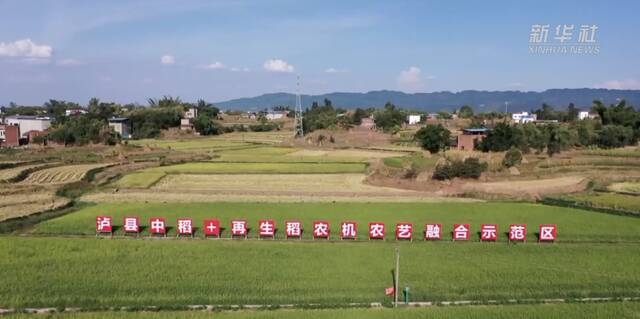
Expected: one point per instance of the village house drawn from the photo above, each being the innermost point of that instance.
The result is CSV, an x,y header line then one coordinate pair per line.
x,y
77,111
28,123
413,119
276,115
9,135
524,117
469,136
368,123
122,126
586,114
186,123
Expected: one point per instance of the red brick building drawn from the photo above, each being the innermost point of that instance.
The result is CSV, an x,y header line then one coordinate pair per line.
x,y
9,135
467,139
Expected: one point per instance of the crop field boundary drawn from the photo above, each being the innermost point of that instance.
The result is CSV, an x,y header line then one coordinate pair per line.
x,y
258,307
582,205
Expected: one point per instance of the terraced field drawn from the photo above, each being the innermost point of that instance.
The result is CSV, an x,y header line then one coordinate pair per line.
x,y
28,202
11,173
60,175
626,187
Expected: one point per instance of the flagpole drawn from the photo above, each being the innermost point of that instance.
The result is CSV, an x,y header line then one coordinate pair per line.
x,y
395,288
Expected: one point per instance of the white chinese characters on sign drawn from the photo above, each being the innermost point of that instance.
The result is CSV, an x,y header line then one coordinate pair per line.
x,y
547,233
131,225
348,230
103,224
320,229
211,227
158,225
267,228
460,231
293,228
433,232
517,232
185,226
376,230
404,230
239,228
488,232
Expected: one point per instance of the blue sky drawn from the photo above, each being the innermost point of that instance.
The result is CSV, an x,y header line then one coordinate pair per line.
x,y
127,51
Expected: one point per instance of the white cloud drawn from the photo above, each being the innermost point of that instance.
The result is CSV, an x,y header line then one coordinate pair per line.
x,y
69,62
277,65
334,70
167,59
237,69
25,48
628,84
410,80
215,66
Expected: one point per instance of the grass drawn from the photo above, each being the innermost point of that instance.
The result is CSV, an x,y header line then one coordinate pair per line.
x,y
573,224
95,273
618,152
550,311
415,160
139,179
608,200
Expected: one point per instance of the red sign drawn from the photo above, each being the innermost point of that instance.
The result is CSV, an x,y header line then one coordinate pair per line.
x,y
389,291
432,231
185,226
489,232
104,224
293,228
211,227
376,230
348,230
461,232
158,225
239,228
321,229
404,230
548,232
131,224
517,232
266,228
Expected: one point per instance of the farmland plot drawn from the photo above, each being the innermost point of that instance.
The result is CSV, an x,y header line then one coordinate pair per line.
x,y
172,273
28,203
11,173
61,174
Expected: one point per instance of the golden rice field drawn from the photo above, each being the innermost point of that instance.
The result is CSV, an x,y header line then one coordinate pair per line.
x,y
60,175
24,204
625,187
347,153
11,173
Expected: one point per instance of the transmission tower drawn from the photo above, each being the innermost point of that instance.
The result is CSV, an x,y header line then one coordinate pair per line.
x,y
298,131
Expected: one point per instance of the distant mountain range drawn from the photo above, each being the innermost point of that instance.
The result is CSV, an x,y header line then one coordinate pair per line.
x,y
479,100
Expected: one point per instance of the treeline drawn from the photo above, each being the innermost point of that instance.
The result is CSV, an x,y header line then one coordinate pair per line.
x,y
389,119
618,125
146,122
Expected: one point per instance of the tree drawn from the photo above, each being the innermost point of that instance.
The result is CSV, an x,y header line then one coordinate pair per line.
x,y
465,112
559,139
358,115
615,136
204,125
572,113
389,119
535,138
205,108
433,137
319,117
503,137
166,101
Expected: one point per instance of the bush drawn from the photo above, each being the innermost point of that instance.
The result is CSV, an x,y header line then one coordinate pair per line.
x,y
469,168
512,157
615,136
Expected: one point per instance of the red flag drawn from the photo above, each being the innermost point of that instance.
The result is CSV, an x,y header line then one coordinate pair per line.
x,y
389,291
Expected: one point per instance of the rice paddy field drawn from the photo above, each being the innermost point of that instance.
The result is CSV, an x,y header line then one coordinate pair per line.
x,y
607,200
9,174
60,174
574,225
147,177
549,311
94,273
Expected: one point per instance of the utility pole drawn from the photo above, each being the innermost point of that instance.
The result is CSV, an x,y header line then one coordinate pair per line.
x,y
506,107
298,130
396,284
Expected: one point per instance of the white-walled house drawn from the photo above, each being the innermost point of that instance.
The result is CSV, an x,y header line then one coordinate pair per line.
x,y
524,117
28,123
122,126
413,119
